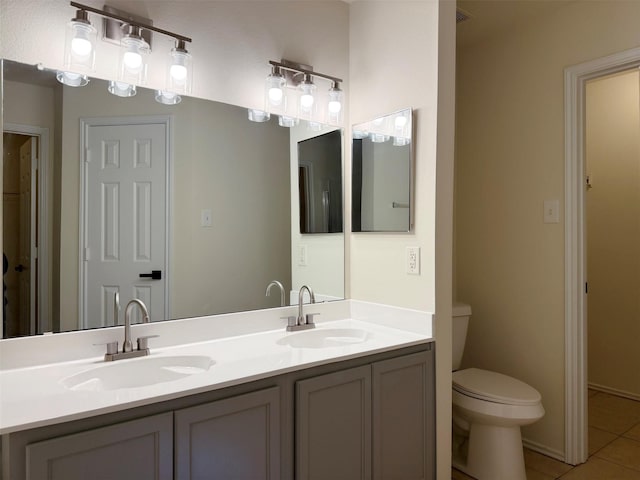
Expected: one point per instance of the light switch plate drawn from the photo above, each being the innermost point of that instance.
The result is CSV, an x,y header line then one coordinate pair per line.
x,y
302,255
551,211
205,218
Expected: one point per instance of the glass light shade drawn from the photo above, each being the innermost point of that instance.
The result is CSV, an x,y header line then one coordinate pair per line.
x,y
179,73
79,52
72,79
379,137
167,98
259,116
306,102
80,43
132,65
121,89
275,99
286,121
401,141
334,106
360,134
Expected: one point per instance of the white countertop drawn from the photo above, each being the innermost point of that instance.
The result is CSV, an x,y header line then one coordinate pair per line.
x,y
34,395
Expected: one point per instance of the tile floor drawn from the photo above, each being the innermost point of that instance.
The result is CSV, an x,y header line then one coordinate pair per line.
x,y
614,445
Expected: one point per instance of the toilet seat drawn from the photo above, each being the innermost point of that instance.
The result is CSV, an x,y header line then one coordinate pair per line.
x,y
494,387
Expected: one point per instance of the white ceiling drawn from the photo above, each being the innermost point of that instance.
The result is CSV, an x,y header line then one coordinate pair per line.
x,y
492,17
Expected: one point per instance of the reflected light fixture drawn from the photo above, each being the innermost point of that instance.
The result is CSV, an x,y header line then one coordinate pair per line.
x,y
289,78
132,61
121,89
167,98
79,51
258,115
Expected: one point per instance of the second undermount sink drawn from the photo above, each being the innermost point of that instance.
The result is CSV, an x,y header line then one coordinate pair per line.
x,y
138,372
325,338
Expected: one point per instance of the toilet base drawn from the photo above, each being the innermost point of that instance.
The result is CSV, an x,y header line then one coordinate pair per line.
x,y
494,453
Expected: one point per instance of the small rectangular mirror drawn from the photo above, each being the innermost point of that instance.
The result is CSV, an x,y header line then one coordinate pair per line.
x,y
382,174
320,183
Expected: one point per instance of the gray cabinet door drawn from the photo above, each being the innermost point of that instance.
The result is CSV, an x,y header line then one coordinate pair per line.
x,y
333,426
235,438
403,418
136,450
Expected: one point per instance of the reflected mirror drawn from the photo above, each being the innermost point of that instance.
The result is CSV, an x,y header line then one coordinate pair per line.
x,y
382,174
190,207
320,183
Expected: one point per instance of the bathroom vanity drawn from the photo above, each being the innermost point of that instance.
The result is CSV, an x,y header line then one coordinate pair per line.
x,y
352,398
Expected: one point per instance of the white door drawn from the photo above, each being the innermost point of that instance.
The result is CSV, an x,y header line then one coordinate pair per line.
x,y
125,220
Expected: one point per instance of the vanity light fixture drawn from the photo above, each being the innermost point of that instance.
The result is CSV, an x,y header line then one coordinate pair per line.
x,y
79,51
291,79
132,61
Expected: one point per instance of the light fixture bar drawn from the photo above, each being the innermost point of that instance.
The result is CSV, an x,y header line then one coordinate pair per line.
x,y
129,21
288,66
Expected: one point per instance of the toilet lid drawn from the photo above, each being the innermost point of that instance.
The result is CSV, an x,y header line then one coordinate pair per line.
x,y
494,387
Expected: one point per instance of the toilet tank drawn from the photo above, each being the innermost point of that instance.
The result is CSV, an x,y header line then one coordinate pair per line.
x,y
460,318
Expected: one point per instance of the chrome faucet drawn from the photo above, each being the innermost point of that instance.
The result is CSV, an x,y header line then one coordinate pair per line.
x,y
276,283
127,346
302,322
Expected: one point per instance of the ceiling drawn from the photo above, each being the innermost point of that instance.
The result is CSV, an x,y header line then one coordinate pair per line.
x,y
492,17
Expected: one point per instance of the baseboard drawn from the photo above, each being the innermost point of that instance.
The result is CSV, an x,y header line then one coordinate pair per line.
x,y
614,391
543,449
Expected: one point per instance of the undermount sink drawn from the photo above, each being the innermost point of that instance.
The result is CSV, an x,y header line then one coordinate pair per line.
x,y
138,372
325,338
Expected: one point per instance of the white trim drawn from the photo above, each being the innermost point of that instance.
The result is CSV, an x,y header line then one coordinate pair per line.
x,y
85,123
614,391
44,273
575,264
543,449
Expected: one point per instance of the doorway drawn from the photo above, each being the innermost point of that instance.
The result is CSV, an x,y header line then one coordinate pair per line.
x,y
612,160
25,247
576,78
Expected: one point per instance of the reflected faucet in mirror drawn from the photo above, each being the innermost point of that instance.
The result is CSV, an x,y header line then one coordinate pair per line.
x,y
276,283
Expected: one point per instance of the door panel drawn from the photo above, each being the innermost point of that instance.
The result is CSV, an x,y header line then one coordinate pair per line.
x,y
125,219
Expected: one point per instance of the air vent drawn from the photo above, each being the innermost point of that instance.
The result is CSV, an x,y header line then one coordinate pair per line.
x,y
461,16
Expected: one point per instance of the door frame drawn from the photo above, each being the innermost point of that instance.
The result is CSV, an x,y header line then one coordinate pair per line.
x,y
85,124
575,79
42,253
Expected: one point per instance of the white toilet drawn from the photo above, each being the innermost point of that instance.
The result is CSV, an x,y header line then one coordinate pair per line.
x,y
488,410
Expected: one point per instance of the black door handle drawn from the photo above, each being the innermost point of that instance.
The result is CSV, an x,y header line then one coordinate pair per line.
x,y
20,268
154,275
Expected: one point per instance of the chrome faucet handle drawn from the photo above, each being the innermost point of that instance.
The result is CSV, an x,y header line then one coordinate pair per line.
x,y
112,349
143,341
292,321
309,318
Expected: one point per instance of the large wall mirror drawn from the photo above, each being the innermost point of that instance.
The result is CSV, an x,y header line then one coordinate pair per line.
x,y
382,174
99,190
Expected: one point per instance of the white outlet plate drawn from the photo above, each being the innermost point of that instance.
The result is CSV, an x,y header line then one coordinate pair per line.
x,y
413,260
